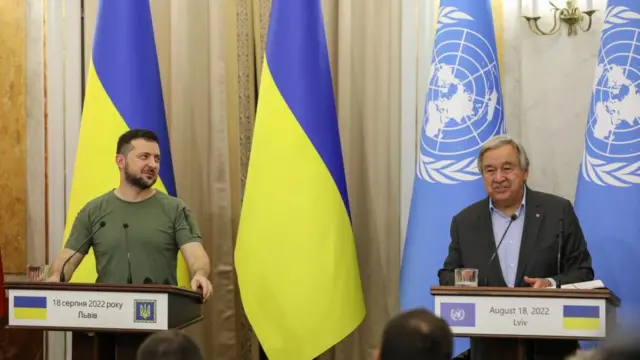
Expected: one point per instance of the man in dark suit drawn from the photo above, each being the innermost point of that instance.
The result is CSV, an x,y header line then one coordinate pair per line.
x,y
529,223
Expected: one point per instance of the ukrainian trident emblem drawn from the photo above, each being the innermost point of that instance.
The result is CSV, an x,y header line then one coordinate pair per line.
x,y
144,311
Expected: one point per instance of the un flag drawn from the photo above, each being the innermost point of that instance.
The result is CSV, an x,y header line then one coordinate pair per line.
x,y
463,109
608,192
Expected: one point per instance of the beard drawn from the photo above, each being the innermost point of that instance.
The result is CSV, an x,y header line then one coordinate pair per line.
x,y
139,182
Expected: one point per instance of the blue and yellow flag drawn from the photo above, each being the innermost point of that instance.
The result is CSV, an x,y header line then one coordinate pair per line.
x,y
123,92
581,317
30,307
295,254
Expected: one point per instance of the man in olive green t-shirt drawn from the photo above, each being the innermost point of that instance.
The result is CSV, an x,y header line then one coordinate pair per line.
x,y
137,231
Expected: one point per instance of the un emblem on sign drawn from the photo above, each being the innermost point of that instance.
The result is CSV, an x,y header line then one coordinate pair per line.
x,y
457,314
144,311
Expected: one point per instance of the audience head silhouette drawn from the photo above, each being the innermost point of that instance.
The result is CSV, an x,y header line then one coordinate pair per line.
x,y
416,335
169,345
626,347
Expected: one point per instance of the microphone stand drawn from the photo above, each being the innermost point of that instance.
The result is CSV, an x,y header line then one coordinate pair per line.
x,y
559,260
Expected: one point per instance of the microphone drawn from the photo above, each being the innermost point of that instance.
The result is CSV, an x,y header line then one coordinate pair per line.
x,y
514,217
62,277
559,260
126,243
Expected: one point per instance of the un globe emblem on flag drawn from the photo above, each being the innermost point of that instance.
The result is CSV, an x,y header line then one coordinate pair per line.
x,y
463,107
612,138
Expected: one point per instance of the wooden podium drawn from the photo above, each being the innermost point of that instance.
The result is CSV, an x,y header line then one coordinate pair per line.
x,y
511,317
107,321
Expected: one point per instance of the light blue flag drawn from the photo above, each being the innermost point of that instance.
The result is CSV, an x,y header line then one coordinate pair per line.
x,y
608,193
463,109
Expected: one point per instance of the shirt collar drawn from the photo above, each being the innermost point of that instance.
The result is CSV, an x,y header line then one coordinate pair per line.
x,y
522,204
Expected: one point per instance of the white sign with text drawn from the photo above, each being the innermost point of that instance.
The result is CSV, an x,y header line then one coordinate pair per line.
x,y
522,316
88,309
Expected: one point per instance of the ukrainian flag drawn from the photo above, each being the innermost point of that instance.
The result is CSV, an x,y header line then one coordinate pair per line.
x,y
295,254
581,317
30,307
123,92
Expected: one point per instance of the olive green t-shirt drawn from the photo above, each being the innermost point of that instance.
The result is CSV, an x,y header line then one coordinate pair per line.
x,y
152,230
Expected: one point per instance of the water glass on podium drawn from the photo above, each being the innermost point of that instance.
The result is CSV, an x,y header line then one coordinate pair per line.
x,y
466,277
38,272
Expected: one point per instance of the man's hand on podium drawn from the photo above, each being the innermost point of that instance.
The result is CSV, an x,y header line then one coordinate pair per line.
x,y
537,283
202,285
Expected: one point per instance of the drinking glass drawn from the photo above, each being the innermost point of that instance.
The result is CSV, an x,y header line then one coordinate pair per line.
x,y
466,277
38,272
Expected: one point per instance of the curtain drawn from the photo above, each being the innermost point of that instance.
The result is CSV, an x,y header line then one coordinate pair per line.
x,y
210,54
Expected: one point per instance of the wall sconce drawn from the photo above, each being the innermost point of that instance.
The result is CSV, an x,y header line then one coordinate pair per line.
x,y
570,15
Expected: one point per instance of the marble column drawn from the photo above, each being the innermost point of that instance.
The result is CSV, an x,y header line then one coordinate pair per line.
x,y
20,190
13,136
557,74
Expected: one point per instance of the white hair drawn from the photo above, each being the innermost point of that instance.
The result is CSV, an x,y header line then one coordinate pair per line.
x,y
500,141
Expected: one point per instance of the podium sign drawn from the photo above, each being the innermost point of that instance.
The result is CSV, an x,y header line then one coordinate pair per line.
x,y
88,309
106,320
524,316
499,312
509,318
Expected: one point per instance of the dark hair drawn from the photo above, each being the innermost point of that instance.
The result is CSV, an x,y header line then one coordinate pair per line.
x,y
625,347
124,142
416,335
169,345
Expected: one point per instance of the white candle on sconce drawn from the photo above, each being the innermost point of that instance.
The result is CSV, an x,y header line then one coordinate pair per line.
x,y
585,5
529,8
525,7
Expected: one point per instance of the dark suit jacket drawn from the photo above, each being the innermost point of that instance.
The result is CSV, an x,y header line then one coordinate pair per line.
x,y
473,244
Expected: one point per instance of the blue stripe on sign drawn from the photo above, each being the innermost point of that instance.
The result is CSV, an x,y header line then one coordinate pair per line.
x,y
581,311
34,302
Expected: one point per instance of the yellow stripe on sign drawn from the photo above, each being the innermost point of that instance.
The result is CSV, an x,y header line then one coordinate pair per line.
x,y
581,324
29,314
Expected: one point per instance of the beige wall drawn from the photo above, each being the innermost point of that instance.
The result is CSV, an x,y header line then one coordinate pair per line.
x,y
556,80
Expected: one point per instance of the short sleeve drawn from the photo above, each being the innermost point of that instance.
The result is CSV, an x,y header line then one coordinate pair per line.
x,y
186,227
80,231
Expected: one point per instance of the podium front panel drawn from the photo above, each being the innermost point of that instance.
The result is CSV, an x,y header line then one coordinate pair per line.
x,y
524,316
88,310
